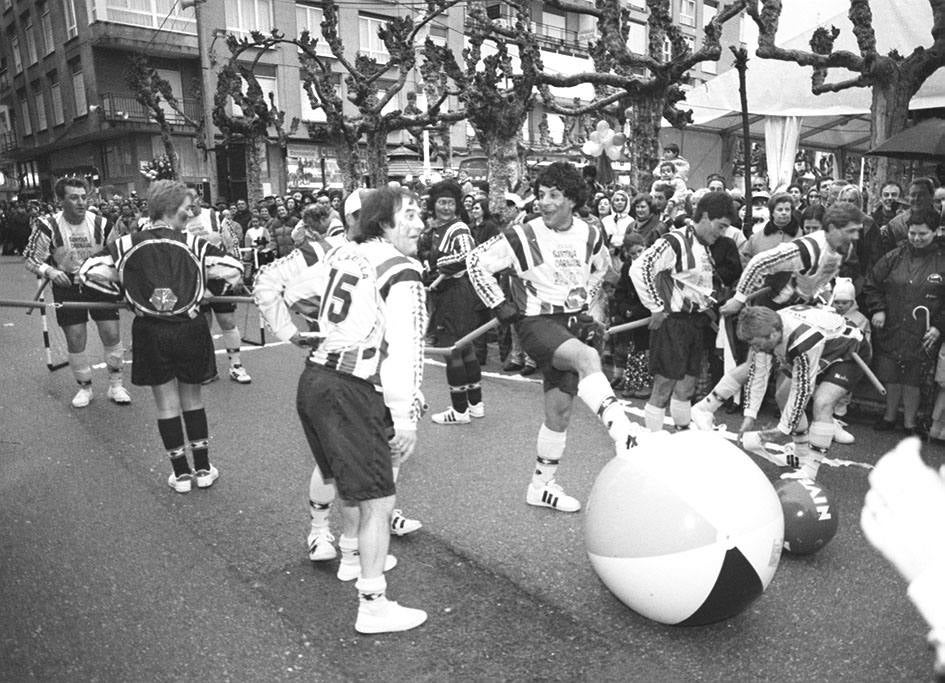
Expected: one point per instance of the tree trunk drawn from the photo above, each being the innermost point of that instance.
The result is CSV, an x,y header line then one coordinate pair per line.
x,y
254,189
644,119
349,163
284,169
504,170
890,112
377,157
170,152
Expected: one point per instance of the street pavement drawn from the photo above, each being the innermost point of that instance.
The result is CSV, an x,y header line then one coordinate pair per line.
x,y
107,574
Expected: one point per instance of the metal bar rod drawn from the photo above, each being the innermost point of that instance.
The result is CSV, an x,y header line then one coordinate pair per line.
x,y
109,306
870,375
462,341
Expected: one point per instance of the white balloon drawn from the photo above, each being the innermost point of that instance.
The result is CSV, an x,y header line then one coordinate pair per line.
x,y
592,148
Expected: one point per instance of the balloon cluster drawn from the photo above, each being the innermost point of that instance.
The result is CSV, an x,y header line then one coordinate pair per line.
x,y
604,141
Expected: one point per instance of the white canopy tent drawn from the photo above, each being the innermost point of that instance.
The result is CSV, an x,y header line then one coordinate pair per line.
x,y
778,92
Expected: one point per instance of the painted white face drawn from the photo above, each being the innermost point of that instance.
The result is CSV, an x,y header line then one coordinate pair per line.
x,y
555,208
407,227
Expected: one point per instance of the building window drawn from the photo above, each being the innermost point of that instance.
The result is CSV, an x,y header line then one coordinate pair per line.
x,y
31,51
243,16
78,90
68,11
371,44
45,21
17,55
667,50
55,95
25,114
310,113
165,15
687,12
438,34
40,103
268,86
309,18
641,4
636,38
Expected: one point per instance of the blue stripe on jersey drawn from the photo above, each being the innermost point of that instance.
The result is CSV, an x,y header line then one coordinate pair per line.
x,y
537,258
803,339
591,242
809,251
406,275
310,254
515,241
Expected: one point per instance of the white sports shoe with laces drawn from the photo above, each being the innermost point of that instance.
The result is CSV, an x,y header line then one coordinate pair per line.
x,y
238,374
321,545
551,495
477,409
451,417
401,526
841,435
82,397
118,394
386,616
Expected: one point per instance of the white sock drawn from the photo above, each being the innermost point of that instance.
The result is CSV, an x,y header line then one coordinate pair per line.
x,y
232,340
653,416
320,497
348,545
599,396
81,370
370,590
550,446
681,412
725,389
115,360
821,436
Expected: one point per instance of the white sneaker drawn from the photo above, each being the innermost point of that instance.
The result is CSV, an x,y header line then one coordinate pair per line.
x,y
205,478
702,419
118,394
477,409
551,495
238,374
181,483
451,417
401,526
386,616
352,572
841,435
82,397
321,546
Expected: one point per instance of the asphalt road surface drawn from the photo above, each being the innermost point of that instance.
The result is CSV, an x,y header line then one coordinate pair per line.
x,y
107,574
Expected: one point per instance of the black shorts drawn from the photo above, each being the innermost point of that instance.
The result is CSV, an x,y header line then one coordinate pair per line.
x,y
457,311
348,428
163,350
540,336
677,346
79,316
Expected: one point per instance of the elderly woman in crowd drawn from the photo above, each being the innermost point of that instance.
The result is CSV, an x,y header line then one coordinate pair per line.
x,y
904,295
781,227
646,221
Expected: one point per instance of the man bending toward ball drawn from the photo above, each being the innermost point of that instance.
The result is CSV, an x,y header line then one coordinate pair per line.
x,y
814,348
558,262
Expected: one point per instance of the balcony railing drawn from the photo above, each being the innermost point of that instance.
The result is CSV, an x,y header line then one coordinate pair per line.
x,y
554,34
118,108
7,141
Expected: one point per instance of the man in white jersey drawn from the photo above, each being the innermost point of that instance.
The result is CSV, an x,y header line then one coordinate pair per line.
x,y
57,247
558,262
205,223
359,396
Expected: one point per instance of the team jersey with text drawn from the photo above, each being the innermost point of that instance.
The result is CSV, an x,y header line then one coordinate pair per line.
x,y
810,260
553,271
675,274
56,242
812,339
368,304
451,245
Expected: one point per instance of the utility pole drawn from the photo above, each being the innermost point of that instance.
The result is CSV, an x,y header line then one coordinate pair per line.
x,y
207,88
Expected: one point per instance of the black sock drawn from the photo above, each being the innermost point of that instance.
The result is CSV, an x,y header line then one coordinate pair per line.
x,y
198,433
172,434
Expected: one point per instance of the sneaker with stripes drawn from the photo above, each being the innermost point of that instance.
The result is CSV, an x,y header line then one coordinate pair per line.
x,y
451,417
477,409
401,526
551,495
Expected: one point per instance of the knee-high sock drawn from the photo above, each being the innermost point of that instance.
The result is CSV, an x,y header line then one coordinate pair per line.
x,y
681,412
597,393
320,497
653,415
550,446
172,436
473,377
199,435
456,377
724,390
821,436
115,360
81,370
232,340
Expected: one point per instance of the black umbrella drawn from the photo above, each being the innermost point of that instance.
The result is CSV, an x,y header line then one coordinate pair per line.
x,y
925,140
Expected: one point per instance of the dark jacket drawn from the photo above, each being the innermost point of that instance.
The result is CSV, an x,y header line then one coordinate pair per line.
x,y
281,233
903,279
626,307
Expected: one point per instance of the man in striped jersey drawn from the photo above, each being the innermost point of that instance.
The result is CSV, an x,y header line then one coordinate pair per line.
x,y
362,382
57,247
813,348
674,280
800,271
558,262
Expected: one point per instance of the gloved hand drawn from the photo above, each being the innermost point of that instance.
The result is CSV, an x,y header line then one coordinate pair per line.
x,y
506,312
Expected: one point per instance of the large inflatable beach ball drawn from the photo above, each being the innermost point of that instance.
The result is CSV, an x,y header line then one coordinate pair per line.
x,y
685,529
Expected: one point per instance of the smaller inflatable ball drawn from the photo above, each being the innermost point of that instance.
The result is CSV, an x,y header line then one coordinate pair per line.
x,y
685,529
810,517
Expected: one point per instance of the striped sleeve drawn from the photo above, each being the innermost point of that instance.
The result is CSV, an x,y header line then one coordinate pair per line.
x,y
38,248
401,370
484,261
803,374
99,273
454,247
786,257
645,270
269,292
759,368
599,258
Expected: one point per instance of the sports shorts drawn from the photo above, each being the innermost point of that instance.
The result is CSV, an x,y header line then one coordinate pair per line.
x,y
540,336
348,429
79,316
678,346
163,350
